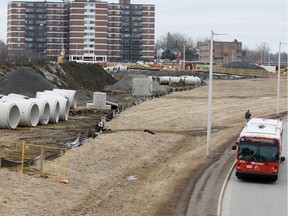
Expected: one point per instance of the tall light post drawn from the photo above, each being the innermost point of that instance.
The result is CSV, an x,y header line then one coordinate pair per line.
x,y
184,50
210,95
278,79
157,54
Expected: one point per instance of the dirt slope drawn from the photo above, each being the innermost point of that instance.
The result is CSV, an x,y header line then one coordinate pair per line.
x,y
131,172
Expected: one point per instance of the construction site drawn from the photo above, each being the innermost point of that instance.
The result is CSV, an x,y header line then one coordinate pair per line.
x,y
133,154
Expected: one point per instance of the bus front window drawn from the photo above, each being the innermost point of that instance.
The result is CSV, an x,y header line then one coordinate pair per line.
x,y
247,152
258,152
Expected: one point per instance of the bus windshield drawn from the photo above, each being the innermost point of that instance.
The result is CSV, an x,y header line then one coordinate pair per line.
x,y
258,153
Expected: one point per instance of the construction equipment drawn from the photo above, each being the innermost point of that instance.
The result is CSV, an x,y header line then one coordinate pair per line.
x,y
61,57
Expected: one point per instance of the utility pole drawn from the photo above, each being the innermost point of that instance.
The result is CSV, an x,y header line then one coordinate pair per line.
x,y
184,57
210,96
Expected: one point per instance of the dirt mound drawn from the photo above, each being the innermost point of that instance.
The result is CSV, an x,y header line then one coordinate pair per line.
x,y
126,84
24,81
27,80
88,76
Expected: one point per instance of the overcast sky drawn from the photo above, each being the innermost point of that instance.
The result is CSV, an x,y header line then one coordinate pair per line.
x,y
252,22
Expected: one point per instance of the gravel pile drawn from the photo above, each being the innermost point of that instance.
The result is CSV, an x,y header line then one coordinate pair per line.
x,y
126,84
24,81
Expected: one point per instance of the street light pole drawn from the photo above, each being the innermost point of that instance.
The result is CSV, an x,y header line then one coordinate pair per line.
x,y
210,96
184,57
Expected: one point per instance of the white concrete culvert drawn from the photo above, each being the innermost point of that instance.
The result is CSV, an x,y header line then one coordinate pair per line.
x,y
191,80
43,105
163,80
99,101
63,101
9,115
29,110
17,96
70,94
173,80
142,87
44,108
54,106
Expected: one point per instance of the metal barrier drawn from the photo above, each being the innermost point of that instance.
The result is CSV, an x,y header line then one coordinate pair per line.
x,y
34,159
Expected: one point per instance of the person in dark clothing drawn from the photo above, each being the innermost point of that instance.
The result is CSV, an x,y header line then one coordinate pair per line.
x,y
247,116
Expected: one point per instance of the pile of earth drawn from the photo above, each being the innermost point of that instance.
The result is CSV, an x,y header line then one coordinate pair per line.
x,y
24,81
85,79
125,84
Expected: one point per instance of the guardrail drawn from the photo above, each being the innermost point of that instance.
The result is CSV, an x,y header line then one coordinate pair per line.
x,y
34,159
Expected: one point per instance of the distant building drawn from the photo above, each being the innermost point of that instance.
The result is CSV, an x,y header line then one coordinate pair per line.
x,y
89,30
223,52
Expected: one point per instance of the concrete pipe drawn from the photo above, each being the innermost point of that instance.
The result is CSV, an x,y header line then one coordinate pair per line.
x,y
190,80
173,80
9,114
44,108
29,111
142,87
198,81
54,106
63,103
17,96
163,80
70,94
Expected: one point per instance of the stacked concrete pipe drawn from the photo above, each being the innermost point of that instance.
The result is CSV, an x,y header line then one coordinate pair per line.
x,y
9,114
191,80
163,80
29,110
173,80
44,109
53,97
70,94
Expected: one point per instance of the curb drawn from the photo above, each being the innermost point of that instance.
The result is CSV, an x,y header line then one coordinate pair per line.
x,y
219,208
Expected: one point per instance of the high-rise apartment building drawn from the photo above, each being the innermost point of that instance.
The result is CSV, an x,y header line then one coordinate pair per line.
x,y
89,30
37,28
223,52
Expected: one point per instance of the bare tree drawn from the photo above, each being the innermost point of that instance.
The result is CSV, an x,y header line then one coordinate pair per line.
x,y
3,52
170,41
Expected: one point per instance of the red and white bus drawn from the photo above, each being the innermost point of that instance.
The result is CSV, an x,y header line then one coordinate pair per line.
x,y
259,149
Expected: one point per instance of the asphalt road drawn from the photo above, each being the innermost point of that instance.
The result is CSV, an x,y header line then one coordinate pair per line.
x,y
254,198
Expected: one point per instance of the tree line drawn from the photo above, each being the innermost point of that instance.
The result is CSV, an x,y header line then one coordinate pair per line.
x,y
170,46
